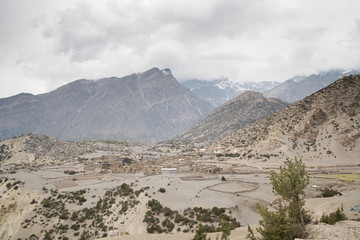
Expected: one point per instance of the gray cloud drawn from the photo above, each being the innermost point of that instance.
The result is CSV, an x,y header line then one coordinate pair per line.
x,y
45,45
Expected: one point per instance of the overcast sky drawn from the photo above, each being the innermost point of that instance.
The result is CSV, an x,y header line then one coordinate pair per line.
x,y
45,44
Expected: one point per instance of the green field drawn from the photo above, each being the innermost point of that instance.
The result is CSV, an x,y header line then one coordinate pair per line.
x,y
341,177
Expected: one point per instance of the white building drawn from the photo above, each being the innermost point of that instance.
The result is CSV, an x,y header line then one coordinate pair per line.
x,y
168,170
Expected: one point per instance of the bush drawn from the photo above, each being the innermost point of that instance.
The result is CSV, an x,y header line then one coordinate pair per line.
x,y
168,225
75,227
200,234
46,203
162,190
223,178
155,205
334,217
328,192
70,172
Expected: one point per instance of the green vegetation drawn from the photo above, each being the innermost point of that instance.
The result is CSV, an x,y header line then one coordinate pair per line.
x,y
289,219
334,217
211,220
162,190
200,233
70,172
5,152
128,161
328,192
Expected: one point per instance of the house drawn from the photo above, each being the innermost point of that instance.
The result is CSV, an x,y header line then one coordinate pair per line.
x,y
168,170
218,150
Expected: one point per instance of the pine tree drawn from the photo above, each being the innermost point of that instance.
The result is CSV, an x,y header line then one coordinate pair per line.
x,y
288,221
290,184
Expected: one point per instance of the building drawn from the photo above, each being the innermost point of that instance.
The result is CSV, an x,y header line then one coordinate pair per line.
x,y
218,150
168,170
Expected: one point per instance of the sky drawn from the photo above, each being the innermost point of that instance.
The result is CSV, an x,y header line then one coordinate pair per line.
x,y
46,44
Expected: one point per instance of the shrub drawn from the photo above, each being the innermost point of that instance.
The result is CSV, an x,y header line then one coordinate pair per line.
x,y
334,217
162,190
200,234
223,178
328,192
46,203
155,205
70,172
168,225
75,227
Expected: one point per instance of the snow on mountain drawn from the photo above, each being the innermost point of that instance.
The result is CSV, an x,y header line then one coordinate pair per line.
x,y
218,91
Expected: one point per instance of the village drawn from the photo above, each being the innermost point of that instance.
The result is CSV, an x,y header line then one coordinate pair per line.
x,y
216,162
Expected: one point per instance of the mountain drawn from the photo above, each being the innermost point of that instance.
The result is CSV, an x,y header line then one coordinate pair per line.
x,y
324,127
149,106
299,87
233,115
217,92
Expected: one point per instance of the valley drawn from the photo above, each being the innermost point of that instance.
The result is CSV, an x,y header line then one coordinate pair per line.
x,y
190,180
59,189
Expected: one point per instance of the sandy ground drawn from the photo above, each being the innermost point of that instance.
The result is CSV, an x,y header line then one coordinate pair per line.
x,y
240,193
237,234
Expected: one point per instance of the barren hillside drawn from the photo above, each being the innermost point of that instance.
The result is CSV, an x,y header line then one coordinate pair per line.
x,y
324,126
231,116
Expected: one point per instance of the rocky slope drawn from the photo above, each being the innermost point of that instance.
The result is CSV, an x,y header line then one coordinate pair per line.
x,y
37,150
300,87
231,116
149,106
217,92
324,127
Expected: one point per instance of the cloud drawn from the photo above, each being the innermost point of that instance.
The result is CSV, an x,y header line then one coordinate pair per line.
x,y
49,44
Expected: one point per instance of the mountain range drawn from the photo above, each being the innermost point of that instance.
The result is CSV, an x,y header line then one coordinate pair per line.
x,y
323,126
217,92
149,106
233,115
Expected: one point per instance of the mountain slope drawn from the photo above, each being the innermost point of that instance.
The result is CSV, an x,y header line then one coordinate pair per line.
x,y
217,92
300,87
324,127
150,106
233,115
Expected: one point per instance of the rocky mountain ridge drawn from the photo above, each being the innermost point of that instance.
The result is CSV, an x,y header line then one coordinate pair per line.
x,y
300,87
325,126
231,116
149,106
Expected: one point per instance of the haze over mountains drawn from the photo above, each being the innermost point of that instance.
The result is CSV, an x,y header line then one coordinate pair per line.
x,y
151,106
323,126
231,116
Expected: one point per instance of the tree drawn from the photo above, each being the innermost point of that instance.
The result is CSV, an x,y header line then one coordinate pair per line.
x,y
290,184
288,221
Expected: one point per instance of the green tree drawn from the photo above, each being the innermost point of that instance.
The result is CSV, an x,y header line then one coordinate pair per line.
x,y
288,221
290,184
